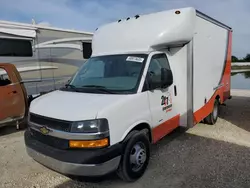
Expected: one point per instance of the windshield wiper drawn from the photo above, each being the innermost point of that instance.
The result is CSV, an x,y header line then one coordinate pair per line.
x,y
71,86
99,88
74,88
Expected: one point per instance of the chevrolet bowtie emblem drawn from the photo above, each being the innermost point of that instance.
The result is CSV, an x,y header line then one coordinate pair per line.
x,y
44,130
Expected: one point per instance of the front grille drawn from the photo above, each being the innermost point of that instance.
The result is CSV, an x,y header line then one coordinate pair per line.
x,y
51,123
50,140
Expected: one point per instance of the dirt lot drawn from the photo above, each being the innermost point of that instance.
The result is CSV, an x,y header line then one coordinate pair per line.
x,y
205,156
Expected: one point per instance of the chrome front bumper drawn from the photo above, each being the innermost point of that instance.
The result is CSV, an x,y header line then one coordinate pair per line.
x,y
74,168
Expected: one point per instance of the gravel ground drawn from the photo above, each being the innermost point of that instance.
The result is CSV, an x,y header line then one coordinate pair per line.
x,y
204,156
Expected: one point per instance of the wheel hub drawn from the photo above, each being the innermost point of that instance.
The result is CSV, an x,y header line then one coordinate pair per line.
x,y
138,156
141,157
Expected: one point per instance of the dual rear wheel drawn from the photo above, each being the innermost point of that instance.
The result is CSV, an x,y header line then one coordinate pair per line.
x,y
211,119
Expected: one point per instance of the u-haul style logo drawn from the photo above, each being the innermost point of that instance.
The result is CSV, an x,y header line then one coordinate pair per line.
x,y
166,102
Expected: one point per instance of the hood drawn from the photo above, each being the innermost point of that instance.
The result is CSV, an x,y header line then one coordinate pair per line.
x,y
72,106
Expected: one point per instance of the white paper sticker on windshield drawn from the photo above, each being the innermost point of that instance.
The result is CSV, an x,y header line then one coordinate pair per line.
x,y
136,59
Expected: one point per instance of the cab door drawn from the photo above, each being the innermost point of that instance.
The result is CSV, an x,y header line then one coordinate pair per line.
x,y
12,97
161,97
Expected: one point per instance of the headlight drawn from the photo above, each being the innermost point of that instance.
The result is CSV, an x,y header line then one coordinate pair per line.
x,y
90,126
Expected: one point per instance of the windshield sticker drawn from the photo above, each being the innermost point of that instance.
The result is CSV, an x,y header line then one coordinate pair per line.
x,y
135,59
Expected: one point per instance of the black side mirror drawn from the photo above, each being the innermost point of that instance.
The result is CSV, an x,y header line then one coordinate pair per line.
x,y
166,78
163,81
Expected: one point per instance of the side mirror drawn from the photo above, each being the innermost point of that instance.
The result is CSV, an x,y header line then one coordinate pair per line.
x,y
166,78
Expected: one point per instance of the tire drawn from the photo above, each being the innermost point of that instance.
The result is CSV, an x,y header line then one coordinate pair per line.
x,y
211,119
182,129
135,158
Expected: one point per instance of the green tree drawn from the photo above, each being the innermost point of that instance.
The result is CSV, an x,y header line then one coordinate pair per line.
x,y
247,58
234,59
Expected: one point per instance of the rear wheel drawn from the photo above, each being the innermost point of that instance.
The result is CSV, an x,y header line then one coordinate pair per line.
x,y
135,158
182,129
211,119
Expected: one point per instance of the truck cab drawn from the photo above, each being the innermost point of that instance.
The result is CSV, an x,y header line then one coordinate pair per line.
x,y
139,84
13,96
112,98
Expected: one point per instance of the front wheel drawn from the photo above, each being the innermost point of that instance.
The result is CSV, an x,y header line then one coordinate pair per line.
x,y
135,158
211,119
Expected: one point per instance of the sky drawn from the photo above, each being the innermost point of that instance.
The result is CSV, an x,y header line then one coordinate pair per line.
x,y
87,15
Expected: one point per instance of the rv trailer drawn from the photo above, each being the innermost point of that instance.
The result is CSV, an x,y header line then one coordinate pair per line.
x,y
46,57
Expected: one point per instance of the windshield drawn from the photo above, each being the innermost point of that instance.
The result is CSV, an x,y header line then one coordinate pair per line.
x,y
111,73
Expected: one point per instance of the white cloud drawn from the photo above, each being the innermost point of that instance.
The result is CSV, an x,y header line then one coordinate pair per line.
x,y
89,14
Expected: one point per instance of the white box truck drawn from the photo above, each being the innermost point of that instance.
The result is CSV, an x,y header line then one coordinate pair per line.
x,y
147,75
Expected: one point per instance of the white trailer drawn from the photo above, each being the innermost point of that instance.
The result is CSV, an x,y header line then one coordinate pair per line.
x,y
43,55
147,75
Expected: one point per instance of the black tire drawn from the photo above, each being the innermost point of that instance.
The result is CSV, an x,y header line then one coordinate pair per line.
x,y
182,129
211,119
125,170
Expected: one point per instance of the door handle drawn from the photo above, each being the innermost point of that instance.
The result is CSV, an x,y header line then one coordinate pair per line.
x,y
175,91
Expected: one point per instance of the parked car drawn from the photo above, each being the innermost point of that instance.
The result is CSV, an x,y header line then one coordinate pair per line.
x,y
13,97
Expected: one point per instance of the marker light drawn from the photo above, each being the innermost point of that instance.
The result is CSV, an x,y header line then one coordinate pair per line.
x,y
177,12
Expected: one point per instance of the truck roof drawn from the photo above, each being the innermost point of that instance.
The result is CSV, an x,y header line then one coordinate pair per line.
x,y
144,33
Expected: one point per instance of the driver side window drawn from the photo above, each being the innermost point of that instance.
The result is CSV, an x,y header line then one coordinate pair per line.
x,y
158,61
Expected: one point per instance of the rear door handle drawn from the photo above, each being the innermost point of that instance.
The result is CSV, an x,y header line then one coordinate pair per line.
x,y
175,91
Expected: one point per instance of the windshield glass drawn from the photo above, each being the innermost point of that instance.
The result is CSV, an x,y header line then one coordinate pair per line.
x,y
113,73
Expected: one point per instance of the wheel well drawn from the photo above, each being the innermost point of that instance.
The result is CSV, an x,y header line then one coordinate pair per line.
x,y
143,126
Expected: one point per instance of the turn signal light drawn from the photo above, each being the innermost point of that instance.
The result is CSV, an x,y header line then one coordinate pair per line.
x,y
88,144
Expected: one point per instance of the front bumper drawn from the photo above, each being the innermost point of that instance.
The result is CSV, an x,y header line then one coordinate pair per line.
x,y
97,162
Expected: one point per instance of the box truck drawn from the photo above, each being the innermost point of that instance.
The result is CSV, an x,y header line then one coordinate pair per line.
x,y
13,97
147,75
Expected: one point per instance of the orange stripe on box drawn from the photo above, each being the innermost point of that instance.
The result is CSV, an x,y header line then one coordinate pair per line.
x,y
223,92
226,80
205,110
163,129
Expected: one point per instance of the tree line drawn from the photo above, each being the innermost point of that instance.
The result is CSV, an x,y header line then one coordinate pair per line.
x,y
244,59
